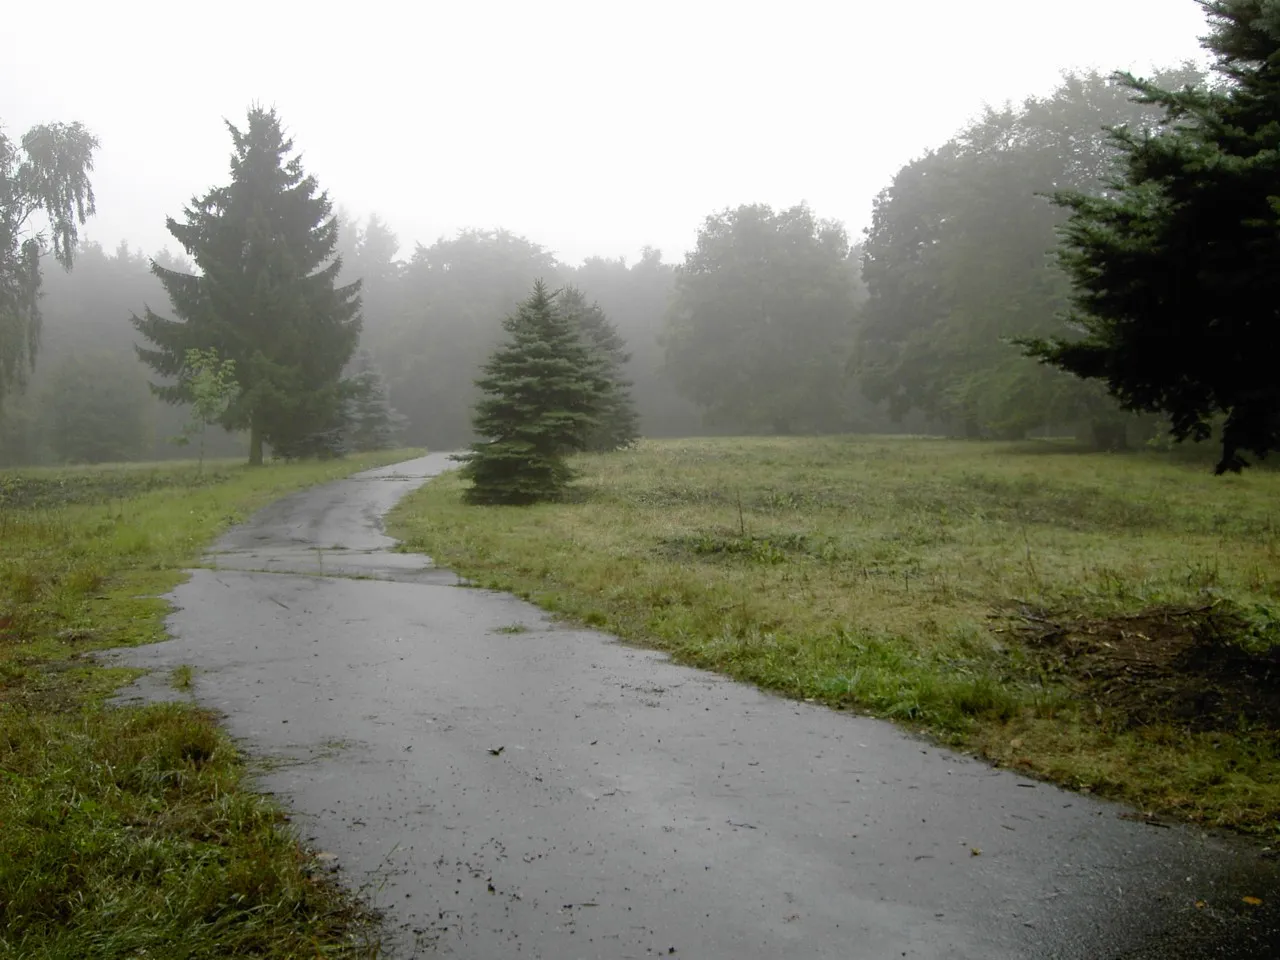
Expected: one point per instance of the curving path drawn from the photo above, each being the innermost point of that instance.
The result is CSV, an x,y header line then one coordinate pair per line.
x,y
505,786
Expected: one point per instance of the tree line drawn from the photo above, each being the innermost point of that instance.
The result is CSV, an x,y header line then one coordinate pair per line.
x,y
985,299
959,263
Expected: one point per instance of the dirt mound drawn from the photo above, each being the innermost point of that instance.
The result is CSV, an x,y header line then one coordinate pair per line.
x,y
1171,666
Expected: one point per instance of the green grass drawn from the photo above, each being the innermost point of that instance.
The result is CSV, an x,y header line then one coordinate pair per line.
x,y
133,831
971,591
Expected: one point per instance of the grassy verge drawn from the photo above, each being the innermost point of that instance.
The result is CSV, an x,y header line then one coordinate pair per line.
x,y
1106,622
132,832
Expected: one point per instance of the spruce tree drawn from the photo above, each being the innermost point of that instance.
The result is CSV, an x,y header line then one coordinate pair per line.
x,y
371,422
266,296
618,425
1176,286
542,397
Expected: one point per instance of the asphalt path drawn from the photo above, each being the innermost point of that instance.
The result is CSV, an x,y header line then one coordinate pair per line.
x,y
502,785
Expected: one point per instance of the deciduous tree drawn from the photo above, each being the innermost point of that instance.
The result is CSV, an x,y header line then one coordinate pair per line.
x,y
761,320
210,381
46,174
958,261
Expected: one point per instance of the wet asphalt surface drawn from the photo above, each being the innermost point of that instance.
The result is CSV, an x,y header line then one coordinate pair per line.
x,y
501,785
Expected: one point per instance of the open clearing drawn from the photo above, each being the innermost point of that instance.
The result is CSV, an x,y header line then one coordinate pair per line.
x,y
1108,622
498,784
130,832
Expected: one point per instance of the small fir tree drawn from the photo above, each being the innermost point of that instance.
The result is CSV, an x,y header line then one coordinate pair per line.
x,y
543,393
372,423
618,425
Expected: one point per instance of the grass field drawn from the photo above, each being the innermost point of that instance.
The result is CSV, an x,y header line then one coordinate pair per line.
x,y
132,832
1109,622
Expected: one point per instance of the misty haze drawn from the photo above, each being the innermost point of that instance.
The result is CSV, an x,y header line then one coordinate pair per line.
x,y
857,419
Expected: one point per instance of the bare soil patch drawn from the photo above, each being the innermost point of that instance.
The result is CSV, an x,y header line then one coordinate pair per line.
x,y
1163,666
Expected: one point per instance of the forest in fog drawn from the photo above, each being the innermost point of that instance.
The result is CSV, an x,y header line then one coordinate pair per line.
x,y
778,321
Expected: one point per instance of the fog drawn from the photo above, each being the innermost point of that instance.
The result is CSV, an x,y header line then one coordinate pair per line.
x,y
744,191
593,128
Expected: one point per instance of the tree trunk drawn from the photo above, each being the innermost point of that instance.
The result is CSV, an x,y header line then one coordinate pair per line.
x,y
255,445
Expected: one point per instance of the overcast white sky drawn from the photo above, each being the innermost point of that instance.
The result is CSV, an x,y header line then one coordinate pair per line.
x,y
591,127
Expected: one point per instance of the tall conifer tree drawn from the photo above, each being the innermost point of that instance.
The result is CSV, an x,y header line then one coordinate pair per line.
x,y
542,397
266,296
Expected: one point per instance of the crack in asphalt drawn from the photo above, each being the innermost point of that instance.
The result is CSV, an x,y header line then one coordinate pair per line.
x,y
552,792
